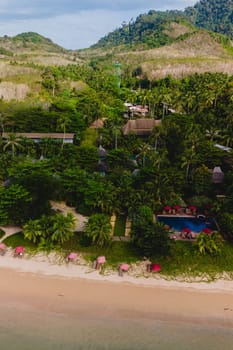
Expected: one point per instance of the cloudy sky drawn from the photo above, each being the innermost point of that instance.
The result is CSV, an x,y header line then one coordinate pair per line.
x,y
75,24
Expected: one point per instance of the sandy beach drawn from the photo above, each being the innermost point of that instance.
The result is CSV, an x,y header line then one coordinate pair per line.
x,y
40,285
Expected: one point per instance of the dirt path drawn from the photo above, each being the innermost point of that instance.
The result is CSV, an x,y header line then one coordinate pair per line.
x,y
80,220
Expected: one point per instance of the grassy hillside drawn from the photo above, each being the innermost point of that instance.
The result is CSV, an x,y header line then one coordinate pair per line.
x,y
191,50
23,58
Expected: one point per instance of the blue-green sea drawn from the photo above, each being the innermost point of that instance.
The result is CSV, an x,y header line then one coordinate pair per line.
x,y
24,330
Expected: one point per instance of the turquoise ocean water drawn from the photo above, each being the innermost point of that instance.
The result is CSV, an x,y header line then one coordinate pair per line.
x,y
25,330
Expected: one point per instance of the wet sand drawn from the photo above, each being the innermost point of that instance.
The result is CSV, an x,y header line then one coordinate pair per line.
x,y
76,297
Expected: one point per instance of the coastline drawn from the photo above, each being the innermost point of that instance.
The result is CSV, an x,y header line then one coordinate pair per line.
x,y
78,290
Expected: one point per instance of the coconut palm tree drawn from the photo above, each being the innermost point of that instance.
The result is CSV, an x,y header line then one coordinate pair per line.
x,y
13,143
62,123
99,229
62,228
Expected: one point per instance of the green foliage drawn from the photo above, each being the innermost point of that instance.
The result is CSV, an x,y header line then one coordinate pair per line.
x,y
15,202
89,138
99,230
39,182
148,31
50,231
150,238
215,15
119,228
209,243
226,224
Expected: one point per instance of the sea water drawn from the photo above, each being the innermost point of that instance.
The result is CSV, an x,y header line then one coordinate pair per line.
x,y
25,330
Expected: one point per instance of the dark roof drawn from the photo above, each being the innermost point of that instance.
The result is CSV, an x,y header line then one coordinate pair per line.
x,y
140,127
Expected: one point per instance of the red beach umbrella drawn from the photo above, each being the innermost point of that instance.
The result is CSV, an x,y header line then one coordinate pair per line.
x,y
124,267
186,230
19,249
167,208
101,259
155,268
206,230
192,207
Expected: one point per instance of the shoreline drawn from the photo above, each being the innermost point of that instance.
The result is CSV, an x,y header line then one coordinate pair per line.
x,y
55,266
77,291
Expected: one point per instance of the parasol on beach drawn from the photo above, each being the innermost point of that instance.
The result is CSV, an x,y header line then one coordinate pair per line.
x,y
19,250
72,256
2,246
124,267
101,259
155,268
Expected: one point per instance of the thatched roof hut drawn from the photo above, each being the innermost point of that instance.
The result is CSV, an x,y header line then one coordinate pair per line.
x,y
98,123
140,127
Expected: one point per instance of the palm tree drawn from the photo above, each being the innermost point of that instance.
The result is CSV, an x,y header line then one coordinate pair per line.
x,y
99,229
63,228
62,123
144,149
33,231
13,143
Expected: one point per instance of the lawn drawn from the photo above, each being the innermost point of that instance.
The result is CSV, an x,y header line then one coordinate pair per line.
x,y
119,228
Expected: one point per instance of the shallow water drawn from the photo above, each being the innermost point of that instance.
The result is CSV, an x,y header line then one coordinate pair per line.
x,y
25,330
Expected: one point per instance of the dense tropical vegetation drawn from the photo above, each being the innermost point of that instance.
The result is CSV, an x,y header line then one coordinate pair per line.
x,y
104,171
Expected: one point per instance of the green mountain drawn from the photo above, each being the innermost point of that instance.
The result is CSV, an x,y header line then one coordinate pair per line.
x,y
157,28
150,30
29,42
215,15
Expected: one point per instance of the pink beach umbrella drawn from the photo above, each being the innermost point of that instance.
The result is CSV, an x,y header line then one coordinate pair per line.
x,y
72,257
101,259
2,246
124,267
155,268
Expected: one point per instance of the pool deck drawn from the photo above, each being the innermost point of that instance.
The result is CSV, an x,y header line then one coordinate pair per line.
x,y
179,235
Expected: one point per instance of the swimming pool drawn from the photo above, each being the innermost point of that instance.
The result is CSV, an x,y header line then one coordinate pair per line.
x,y
195,224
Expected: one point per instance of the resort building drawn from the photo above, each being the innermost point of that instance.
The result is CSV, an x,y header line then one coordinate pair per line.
x,y
37,137
140,127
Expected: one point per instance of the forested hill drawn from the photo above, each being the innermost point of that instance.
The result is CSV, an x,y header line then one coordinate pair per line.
x,y
150,30
158,28
215,15
28,42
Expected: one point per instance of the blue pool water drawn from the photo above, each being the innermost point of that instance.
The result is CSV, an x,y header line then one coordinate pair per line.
x,y
179,222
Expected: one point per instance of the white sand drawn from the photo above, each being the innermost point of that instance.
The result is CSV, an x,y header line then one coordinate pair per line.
x,y
47,284
54,265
